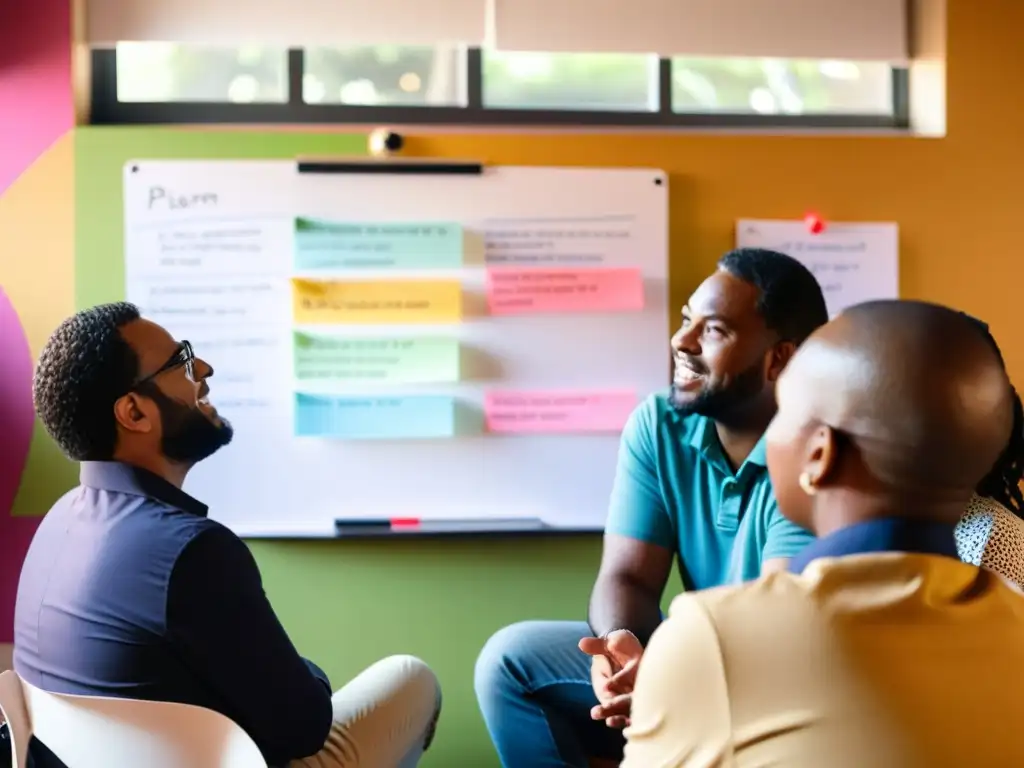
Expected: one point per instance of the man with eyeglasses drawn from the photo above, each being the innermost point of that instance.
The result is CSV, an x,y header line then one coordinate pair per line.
x,y
129,590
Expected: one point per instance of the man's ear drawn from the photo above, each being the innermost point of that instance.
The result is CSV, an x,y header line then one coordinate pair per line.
x,y
131,414
778,358
822,456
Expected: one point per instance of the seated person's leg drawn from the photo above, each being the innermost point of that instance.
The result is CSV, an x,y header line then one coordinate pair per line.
x,y
384,718
533,686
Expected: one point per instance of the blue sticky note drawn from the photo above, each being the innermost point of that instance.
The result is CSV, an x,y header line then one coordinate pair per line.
x,y
367,418
321,244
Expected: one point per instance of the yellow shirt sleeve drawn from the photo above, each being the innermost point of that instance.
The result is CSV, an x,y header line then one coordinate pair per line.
x,y
680,713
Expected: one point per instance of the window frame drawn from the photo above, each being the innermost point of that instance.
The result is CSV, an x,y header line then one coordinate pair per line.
x,y
106,109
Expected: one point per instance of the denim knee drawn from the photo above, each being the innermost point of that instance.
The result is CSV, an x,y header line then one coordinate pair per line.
x,y
502,664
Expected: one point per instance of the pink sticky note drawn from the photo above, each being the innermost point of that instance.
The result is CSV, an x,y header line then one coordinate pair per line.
x,y
514,411
512,291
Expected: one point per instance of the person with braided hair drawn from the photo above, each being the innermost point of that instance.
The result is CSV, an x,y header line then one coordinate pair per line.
x,y
991,532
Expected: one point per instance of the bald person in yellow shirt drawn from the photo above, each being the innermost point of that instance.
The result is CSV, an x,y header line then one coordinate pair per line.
x,y
880,649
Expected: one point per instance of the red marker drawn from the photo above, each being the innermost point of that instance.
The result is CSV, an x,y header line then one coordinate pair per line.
x,y
814,223
405,522
384,525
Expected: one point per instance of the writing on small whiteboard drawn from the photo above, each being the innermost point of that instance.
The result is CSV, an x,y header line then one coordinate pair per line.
x,y
853,263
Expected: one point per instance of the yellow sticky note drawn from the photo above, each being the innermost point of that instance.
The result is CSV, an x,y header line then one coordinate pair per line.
x,y
376,301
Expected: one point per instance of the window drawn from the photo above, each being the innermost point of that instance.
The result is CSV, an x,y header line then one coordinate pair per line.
x,y
388,75
779,86
166,72
570,81
170,83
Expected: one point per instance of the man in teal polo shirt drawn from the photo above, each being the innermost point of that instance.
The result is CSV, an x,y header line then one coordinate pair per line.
x,y
691,485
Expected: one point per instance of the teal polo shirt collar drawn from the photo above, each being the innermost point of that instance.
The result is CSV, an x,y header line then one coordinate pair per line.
x,y
733,484
674,488
705,440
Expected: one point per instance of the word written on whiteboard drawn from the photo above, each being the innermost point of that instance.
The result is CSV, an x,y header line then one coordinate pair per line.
x,y
525,412
170,302
556,240
513,291
383,361
161,197
189,249
376,245
375,418
385,301
853,263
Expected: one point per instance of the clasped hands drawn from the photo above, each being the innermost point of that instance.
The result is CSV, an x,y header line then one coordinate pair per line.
x,y
613,666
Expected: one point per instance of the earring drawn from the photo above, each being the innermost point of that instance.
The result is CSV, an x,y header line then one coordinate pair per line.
x,y
806,485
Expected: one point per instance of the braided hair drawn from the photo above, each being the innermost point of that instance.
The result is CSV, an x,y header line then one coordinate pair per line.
x,y
1002,483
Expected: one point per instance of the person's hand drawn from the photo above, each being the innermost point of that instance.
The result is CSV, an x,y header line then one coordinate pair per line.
x,y
617,703
614,662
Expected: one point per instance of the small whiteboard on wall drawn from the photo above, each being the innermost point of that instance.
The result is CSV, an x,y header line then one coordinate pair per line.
x,y
407,351
853,262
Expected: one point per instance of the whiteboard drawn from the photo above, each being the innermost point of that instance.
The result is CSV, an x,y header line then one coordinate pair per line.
x,y
209,255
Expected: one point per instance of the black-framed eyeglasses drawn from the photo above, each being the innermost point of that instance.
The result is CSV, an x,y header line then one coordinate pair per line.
x,y
184,357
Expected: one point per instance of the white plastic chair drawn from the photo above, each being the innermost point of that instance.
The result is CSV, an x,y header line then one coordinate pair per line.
x,y
100,732
12,707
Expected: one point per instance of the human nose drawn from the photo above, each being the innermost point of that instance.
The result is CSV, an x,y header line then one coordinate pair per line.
x,y
201,369
686,340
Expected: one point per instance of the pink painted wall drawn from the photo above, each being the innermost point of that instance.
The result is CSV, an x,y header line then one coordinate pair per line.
x,y
36,232
36,101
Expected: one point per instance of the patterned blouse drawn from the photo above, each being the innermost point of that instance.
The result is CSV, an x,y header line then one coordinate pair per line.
x,y
991,536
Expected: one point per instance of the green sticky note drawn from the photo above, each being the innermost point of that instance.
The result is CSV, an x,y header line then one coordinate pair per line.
x,y
321,244
385,361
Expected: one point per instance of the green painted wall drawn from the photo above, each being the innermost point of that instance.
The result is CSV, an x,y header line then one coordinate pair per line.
x,y
347,604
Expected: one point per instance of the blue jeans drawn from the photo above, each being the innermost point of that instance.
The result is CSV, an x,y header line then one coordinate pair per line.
x,y
533,685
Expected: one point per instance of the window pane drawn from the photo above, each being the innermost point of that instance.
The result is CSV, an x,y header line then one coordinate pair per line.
x,y
385,75
781,86
171,72
608,82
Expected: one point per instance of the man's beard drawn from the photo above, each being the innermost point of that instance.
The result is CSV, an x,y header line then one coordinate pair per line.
x,y
189,436
717,402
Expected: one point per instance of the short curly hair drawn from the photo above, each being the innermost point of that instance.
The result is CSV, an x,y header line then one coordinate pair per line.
x,y
790,300
84,368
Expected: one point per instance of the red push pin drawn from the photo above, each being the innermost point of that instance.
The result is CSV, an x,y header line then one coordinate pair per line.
x,y
815,224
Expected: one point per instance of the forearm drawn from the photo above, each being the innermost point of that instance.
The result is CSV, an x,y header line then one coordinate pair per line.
x,y
622,604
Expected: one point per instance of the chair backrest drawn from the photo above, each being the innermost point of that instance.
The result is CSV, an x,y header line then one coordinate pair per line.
x,y
95,732
15,714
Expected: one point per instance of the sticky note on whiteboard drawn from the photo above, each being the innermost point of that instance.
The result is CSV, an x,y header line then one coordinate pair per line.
x,y
415,360
530,412
324,244
369,418
512,291
376,301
